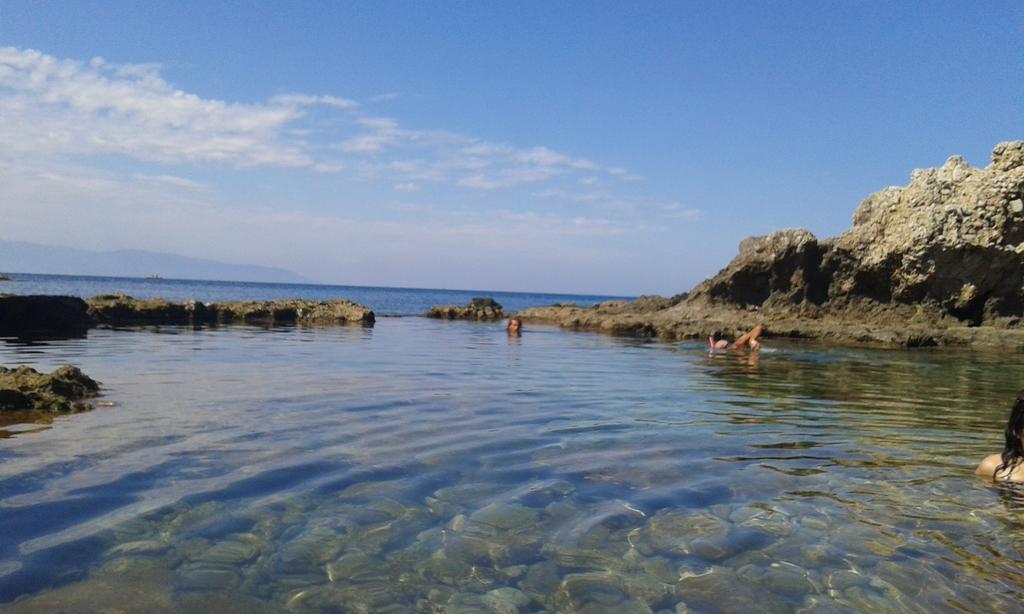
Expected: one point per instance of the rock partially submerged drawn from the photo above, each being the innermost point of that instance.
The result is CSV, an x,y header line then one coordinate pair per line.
x,y
29,316
481,309
66,389
940,261
43,315
292,311
118,309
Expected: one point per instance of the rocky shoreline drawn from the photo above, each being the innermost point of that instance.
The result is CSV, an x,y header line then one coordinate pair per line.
x,y
939,262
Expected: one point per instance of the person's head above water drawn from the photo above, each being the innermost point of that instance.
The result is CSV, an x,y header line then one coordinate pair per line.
x,y
1009,465
515,326
1013,449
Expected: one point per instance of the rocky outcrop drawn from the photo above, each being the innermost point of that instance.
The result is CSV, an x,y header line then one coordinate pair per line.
x,y
32,315
784,267
121,310
951,241
939,261
481,309
66,389
292,312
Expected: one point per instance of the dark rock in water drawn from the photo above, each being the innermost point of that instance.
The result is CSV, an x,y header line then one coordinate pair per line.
x,y
482,309
5,278
24,388
43,315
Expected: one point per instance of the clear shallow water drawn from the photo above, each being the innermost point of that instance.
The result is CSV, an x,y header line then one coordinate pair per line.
x,y
438,466
384,301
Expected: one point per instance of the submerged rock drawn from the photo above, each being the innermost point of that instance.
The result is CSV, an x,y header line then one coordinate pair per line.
x,y
481,309
24,388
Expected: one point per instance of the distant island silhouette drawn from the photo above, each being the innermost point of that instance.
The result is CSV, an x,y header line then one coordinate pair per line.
x,y
22,257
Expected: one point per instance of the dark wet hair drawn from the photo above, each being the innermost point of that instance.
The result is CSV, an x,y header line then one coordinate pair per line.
x,y
1013,450
516,320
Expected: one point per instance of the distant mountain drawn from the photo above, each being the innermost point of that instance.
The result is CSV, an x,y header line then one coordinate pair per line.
x,y
19,257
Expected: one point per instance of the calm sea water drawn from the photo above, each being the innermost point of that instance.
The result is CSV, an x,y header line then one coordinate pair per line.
x,y
441,466
384,301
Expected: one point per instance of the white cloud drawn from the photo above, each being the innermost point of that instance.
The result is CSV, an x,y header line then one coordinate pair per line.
x,y
303,100
56,107
170,180
61,107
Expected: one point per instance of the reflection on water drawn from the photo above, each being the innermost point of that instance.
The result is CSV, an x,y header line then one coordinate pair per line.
x,y
439,466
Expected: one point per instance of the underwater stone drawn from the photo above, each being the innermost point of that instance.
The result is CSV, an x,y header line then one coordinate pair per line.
x,y
231,552
147,546
578,591
203,577
778,578
505,517
506,600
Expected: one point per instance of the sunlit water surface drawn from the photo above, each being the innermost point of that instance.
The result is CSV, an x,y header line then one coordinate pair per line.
x,y
434,466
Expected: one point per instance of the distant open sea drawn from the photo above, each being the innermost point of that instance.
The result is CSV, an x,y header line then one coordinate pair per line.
x,y
383,301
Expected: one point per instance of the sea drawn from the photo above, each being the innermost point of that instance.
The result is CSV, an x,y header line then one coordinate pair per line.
x,y
432,466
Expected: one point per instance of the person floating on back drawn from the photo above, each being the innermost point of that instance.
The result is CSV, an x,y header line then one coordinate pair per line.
x,y
1008,466
748,340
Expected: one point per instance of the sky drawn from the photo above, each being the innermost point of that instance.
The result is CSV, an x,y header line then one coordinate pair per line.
x,y
585,147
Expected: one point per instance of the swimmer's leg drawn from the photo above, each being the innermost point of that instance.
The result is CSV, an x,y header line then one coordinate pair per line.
x,y
748,337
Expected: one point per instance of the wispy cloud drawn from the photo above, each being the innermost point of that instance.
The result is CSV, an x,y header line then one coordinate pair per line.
x,y
67,107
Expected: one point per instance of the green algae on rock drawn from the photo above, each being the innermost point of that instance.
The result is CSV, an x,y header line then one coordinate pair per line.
x,y
24,388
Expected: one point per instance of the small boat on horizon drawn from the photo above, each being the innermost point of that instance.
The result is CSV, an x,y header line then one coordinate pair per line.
x,y
152,277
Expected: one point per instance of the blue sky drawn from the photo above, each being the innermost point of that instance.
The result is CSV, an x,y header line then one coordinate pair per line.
x,y
567,147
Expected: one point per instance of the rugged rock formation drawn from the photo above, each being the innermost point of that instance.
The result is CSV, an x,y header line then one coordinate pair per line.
x,y
32,315
482,309
923,264
951,241
66,389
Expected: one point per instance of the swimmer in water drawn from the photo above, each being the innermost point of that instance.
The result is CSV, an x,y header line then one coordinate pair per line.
x,y
747,341
515,327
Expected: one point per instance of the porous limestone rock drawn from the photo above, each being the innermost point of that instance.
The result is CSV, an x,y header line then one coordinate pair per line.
x,y
482,309
24,388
